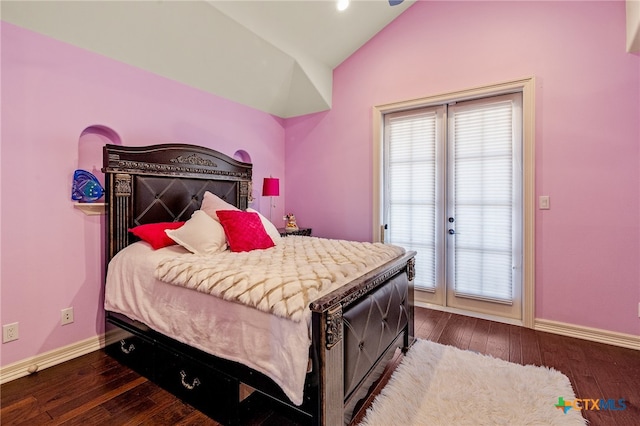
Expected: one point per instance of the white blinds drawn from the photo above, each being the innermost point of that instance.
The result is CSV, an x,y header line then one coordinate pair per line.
x,y
410,188
455,168
481,178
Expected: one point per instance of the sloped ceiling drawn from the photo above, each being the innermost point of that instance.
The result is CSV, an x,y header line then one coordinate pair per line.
x,y
275,56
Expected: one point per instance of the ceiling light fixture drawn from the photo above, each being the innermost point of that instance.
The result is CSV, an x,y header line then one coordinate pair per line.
x,y
343,4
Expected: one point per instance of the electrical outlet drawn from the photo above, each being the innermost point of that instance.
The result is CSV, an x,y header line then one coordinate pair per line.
x,y
67,316
9,332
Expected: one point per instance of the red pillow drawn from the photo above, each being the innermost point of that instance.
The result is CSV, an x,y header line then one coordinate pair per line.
x,y
244,230
154,234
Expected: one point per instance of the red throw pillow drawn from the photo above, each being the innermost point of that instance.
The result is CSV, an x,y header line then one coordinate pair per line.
x,y
154,234
244,230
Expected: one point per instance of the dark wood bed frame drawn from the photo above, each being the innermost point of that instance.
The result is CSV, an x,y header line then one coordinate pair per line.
x,y
355,330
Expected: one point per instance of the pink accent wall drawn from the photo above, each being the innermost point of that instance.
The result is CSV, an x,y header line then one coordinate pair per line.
x,y
587,137
51,253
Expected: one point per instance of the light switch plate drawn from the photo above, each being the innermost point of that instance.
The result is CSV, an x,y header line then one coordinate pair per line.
x,y
543,202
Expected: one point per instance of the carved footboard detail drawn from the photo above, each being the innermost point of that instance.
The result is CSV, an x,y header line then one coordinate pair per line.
x,y
411,269
333,327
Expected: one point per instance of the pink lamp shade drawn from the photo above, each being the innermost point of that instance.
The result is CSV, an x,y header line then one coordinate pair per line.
x,y
271,187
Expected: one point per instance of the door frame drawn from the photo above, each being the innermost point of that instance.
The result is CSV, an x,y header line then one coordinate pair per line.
x,y
527,87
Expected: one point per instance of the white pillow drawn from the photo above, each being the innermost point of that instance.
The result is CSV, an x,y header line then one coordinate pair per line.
x,y
271,229
211,203
200,235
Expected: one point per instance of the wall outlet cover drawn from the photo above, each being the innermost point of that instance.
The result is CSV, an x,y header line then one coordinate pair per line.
x,y
67,316
9,332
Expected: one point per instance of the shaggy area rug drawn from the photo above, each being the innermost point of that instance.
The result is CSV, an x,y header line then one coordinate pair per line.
x,y
442,385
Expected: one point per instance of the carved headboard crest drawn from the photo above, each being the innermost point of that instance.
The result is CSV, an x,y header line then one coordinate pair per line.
x,y
194,159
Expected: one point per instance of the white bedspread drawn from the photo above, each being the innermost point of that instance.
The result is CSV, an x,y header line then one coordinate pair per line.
x,y
273,345
282,280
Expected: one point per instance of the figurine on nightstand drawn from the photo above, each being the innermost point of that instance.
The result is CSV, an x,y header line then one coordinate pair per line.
x,y
291,225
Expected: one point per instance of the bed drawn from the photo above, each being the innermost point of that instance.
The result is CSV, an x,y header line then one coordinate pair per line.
x,y
208,356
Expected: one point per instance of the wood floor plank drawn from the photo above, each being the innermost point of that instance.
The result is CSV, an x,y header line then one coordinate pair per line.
x,y
438,327
51,394
531,354
420,316
586,383
585,386
615,390
458,331
175,414
136,400
43,418
24,409
43,380
478,342
429,320
498,341
197,419
57,400
87,401
553,352
161,400
515,344
93,416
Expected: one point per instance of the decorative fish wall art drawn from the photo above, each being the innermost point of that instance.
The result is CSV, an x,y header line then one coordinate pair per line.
x,y
86,187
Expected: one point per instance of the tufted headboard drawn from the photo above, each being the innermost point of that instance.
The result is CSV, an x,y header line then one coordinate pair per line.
x,y
165,183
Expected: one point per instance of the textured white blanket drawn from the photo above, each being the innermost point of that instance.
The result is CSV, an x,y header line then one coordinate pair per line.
x,y
282,280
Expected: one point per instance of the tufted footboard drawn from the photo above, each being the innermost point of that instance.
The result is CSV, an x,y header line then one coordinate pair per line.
x,y
358,330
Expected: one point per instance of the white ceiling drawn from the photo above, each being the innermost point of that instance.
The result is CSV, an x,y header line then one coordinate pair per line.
x,y
275,56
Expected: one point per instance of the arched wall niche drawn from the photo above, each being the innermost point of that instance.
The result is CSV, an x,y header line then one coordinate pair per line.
x,y
245,157
90,144
242,155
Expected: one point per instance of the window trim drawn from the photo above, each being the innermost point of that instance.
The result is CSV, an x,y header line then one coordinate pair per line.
x,y
527,87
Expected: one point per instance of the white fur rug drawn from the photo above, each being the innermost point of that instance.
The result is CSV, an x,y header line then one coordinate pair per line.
x,y
442,385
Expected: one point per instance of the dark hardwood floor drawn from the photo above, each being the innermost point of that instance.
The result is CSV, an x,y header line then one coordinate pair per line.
x,y
94,389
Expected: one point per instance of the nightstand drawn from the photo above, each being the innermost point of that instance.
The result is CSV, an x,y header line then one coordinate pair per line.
x,y
300,231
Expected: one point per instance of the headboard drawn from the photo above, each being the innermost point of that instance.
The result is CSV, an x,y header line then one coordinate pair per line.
x,y
165,183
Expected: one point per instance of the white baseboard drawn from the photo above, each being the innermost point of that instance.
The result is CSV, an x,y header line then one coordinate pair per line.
x,y
570,330
49,359
587,333
57,356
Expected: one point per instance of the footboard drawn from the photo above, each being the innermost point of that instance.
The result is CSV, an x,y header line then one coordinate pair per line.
x,y
356,329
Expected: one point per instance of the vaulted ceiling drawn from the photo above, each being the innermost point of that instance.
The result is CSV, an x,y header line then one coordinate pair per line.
x,y
275,56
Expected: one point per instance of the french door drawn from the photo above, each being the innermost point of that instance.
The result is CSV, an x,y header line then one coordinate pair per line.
x,y
452,191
